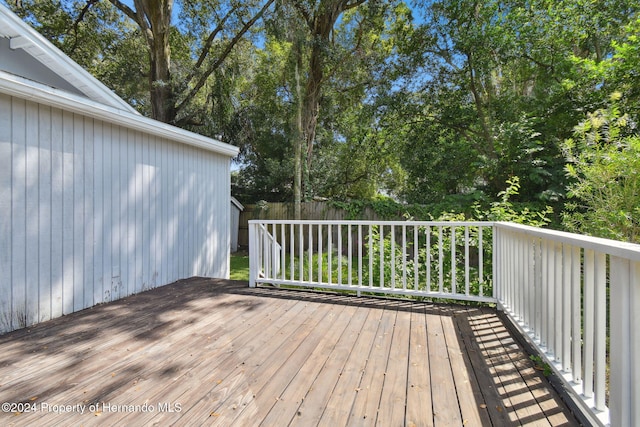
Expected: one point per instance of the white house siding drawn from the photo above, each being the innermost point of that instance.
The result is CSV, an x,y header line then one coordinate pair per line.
x,y
91,212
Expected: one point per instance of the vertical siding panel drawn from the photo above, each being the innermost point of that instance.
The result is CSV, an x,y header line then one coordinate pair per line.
x,y
45,225
117,204
67,213
151,221
120,248
138,168
143,212
162,205
18,214
211,218
193,219
182,212
224,254
164,221
57,211
156,212
124,250
210,215
204,236
203,248
175,179
130,193
78,212
99,169
213,212
190,214
168,218
89,283
186,214
32,230
200,249
5,208
209,194
200,197
217,195
146,212
108,210
120,214
160,225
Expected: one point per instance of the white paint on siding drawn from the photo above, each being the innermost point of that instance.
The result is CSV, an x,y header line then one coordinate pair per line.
x,y
92,212
44,214
5,211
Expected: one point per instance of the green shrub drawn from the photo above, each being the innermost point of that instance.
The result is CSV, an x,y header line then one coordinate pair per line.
x,y
604,165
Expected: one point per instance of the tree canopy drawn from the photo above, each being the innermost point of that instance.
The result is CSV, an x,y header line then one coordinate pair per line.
x,y
429,101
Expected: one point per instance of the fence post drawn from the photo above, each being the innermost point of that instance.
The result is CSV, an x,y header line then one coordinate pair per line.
x,y
253,255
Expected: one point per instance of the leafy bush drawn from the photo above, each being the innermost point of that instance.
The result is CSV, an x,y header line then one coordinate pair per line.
x,y
604,164
504,209
389,259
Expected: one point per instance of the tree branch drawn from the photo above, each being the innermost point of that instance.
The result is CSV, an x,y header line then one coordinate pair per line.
x,y
196,88
347,6
128,11
209,42
305,15
79,19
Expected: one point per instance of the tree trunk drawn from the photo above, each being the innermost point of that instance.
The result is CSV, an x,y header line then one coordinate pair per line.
x,y
158,14
298,139
320,25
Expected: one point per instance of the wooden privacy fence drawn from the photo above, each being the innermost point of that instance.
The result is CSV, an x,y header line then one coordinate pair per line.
x,y
575,298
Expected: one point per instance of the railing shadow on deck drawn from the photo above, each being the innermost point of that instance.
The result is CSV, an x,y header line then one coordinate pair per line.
x,y
506,388
575,299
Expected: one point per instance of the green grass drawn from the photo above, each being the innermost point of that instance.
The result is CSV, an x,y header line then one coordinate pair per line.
x,y
239,266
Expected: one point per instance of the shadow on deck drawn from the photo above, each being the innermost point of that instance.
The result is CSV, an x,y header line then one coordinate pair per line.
x,y
215,352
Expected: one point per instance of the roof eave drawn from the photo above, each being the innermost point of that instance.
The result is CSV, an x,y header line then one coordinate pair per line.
x,y
23,36
27,89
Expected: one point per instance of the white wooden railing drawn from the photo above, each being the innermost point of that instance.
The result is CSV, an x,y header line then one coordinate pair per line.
x,y
575,298
357,256
578,299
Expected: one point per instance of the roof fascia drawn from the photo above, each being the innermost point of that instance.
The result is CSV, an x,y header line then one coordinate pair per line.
x,y
36,92
27,38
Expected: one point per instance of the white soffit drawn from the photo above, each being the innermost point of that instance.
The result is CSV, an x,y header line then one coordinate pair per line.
x,y
22,36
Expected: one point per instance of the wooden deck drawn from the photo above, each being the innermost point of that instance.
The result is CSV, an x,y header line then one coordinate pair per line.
x,y
213,352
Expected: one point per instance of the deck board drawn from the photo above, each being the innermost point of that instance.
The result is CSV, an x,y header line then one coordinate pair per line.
x,y
418,378
215,352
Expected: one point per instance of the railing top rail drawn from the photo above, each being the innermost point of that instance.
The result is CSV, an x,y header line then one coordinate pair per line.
x,y
613,247
358,222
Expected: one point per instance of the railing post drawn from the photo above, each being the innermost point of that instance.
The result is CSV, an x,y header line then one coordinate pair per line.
x,y
253,255
497,273
625,333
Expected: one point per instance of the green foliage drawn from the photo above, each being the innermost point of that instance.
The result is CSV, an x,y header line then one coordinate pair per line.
x,y
504,209
239,268
492,89
541,365
438,112
428,266
604,165
392,266
461,208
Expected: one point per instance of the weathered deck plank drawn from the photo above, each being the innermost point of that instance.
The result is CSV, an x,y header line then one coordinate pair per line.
x,y
213,352
418,378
